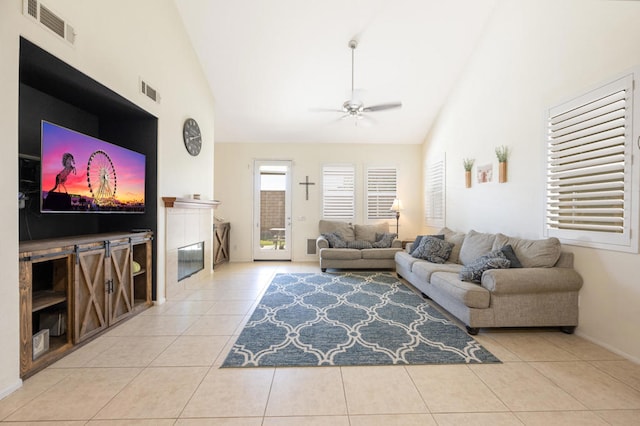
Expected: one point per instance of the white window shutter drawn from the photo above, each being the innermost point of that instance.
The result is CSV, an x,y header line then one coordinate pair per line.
x,y
338,192
381,191
434,192
589,167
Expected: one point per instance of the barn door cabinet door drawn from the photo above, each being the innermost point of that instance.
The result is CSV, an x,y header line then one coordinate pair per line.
x,y
103,287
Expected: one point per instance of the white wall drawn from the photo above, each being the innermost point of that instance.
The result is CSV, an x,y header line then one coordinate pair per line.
x,y
118,41
535,54
234,187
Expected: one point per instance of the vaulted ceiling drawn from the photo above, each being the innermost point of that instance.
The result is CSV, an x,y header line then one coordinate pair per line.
x,y
270,63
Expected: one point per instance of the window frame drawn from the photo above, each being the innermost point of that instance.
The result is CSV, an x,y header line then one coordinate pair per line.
x,y
349,170
559,187
381,199
435,190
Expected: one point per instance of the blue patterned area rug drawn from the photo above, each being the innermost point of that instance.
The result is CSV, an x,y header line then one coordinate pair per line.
x,y
356,318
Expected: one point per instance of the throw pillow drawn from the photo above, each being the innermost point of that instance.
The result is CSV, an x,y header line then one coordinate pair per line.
x,y
511,256
359,244
419,238
335,240
384,240
474,270
433,249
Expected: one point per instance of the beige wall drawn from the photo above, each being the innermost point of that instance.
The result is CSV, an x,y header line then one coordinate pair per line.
x,y
118,41
535,54
234,187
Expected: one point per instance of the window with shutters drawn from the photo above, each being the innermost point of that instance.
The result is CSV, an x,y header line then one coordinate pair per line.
x,y
381,191
434,192
338,192
590,173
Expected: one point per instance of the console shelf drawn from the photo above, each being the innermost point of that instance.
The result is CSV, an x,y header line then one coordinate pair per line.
x,y
46,298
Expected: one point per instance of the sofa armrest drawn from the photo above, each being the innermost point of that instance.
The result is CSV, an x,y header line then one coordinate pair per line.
x,y
531,280
396,243
321,242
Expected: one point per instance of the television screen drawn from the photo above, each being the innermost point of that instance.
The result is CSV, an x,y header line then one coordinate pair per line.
x,y
80,173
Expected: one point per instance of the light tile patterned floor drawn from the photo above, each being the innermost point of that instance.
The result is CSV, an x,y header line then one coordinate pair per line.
x,y
161,368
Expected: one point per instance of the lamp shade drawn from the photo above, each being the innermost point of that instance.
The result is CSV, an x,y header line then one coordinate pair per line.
x,y
397,205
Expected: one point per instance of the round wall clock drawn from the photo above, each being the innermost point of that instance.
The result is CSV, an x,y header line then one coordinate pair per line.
x,y
192,136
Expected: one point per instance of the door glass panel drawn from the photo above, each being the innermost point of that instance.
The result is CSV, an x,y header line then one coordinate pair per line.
x,y
272,211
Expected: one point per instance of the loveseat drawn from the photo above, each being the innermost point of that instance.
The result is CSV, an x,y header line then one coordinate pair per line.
x,y
518,282
342,245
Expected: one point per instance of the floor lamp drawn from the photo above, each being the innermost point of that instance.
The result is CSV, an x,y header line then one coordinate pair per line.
x,y
396,207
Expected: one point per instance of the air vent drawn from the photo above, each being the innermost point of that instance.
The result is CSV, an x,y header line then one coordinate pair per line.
x,y
149,91
311,246
50,20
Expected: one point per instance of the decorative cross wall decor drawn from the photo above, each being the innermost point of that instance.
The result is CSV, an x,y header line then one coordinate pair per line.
x,y
307,183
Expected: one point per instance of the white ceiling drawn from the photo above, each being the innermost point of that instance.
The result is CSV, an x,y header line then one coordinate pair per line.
x,y
269,62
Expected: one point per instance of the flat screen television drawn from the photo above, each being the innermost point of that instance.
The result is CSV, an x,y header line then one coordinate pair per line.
x,y
80,173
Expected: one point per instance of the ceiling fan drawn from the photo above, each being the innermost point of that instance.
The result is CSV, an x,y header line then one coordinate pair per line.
x,y
354,107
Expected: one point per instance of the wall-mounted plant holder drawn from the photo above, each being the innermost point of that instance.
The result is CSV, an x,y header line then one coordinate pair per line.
x,y
502,152
502,171
468,165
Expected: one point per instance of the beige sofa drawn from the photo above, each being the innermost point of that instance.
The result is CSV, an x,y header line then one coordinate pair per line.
x,y
356,236
542,293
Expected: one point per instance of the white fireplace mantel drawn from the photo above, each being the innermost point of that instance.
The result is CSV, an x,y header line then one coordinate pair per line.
x,y
190,203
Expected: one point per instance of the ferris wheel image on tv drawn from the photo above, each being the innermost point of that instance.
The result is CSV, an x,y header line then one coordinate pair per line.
x,y
101,178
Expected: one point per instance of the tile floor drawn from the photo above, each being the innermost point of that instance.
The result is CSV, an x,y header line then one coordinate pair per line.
x,y
161,368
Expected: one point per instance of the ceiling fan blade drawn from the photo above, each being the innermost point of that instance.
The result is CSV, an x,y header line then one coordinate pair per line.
x,y
325,110
382,107
365,121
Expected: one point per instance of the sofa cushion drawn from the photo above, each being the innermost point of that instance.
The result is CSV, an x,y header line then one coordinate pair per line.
x,y
433,249
405,261
456,238
359,244
508,252
532,253
474,270
475,244
340,254
344,228
368,232
424,270
384,240
419,238
335,240
472,295
380,253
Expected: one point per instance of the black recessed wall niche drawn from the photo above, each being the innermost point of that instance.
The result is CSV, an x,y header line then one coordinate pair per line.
x,y
54,91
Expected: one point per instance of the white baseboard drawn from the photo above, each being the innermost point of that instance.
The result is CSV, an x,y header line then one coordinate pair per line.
x,y
608,347
11,389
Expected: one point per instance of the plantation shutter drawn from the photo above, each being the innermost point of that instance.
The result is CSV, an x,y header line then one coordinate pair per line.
x,y
338,192
434,200
589,184
381,191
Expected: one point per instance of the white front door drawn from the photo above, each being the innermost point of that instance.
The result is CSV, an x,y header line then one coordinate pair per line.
x,y
272,210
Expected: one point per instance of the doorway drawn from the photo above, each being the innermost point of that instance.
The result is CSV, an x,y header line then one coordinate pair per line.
x,y
272,210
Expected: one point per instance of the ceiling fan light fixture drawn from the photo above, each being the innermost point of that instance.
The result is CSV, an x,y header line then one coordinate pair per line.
x,y
354,107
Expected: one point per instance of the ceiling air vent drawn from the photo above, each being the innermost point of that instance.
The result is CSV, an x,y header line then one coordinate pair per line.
x,y
47,18
149,91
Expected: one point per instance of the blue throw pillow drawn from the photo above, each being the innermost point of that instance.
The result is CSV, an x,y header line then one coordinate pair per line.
x,y
473,271
359,244
433,249
419,238
384,240
335,240
511,256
